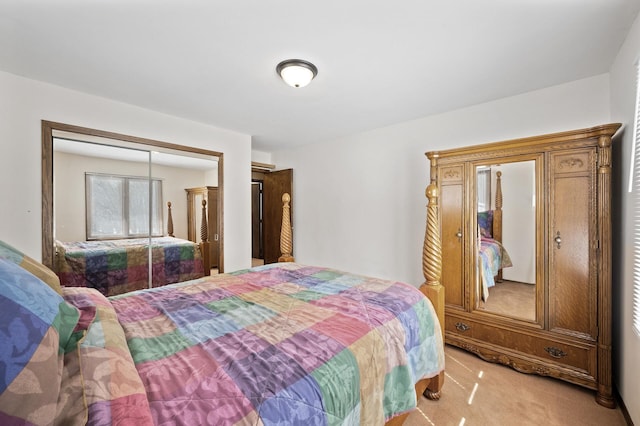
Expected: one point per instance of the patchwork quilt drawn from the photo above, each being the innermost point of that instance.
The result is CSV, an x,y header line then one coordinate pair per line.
x,y
118,266
281,344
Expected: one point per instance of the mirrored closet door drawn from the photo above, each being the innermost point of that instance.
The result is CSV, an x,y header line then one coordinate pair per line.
x,y
115,209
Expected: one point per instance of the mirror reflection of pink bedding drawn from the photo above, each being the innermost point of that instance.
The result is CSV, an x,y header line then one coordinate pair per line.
x,y
493,257
119,266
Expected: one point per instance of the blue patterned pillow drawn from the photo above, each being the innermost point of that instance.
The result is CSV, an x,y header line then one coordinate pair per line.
x,y
485,223
36,268
37,328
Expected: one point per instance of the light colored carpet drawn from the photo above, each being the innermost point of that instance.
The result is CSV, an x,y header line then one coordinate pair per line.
x,y
476,392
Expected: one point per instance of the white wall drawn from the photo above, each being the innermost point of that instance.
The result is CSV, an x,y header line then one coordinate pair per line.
x,y
261,157
359,200
24,103
626,344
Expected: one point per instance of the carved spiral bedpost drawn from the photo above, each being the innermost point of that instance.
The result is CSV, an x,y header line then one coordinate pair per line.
x,y
285,231
432,265
432,256
204,243
432,250
497,216
169,220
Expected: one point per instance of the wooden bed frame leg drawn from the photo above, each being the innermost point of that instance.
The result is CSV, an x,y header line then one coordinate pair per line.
x,y
434,390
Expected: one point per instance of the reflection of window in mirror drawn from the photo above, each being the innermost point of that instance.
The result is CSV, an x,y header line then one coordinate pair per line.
x,y
484,189
118,206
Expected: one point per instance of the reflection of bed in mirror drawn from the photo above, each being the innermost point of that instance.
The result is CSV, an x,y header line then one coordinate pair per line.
x,y
506,233
492,255
118,266
78,152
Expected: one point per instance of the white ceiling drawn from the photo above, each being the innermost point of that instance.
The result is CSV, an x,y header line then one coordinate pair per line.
x,y
380,62
123,151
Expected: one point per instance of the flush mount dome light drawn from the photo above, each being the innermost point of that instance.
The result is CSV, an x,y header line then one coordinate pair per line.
x,y
297,72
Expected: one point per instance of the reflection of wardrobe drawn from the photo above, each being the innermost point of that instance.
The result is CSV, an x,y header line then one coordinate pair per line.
x,y
570,337
194,218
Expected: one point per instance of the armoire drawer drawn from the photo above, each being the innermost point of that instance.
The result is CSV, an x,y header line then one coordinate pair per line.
x,y
575,355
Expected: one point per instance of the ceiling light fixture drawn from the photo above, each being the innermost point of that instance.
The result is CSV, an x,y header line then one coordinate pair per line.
x,y
296,72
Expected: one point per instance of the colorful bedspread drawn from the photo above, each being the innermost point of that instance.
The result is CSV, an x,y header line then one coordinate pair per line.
x,y
100,383
281,344
493,257
119,266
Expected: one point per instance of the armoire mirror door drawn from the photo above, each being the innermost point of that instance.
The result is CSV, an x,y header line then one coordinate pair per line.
x,y
507,220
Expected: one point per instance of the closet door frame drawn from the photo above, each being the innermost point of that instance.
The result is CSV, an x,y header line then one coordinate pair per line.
x,y
49,128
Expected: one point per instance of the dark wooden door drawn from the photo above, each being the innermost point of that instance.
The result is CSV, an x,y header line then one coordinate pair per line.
x,y
256,221
274,186
212,218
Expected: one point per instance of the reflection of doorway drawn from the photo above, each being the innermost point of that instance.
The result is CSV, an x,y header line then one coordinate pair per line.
x,y
195,197
266,200
275,184
257,247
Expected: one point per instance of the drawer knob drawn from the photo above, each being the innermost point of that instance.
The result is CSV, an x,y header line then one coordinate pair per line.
x,y
460,326
555,352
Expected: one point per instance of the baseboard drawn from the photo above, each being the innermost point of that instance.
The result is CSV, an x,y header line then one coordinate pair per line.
x,y
623,408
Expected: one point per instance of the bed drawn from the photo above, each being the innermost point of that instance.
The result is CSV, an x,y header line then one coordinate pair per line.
x,y
278,344
119,266
492,256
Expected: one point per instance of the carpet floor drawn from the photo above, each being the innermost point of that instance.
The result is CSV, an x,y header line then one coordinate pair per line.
x,y
476,392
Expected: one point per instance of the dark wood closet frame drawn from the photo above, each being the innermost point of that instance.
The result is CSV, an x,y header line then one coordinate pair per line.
x,y
48,128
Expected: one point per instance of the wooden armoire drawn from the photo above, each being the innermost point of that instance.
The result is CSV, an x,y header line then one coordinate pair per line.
x,y
194,218
568,334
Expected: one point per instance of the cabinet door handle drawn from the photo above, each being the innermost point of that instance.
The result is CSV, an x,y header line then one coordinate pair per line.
x,y
555,352
557,239
460,326
459,233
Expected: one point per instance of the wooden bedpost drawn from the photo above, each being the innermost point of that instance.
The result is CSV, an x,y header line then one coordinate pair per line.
x,y
285,231
432,256
432,267
169,220
204,243
497,216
